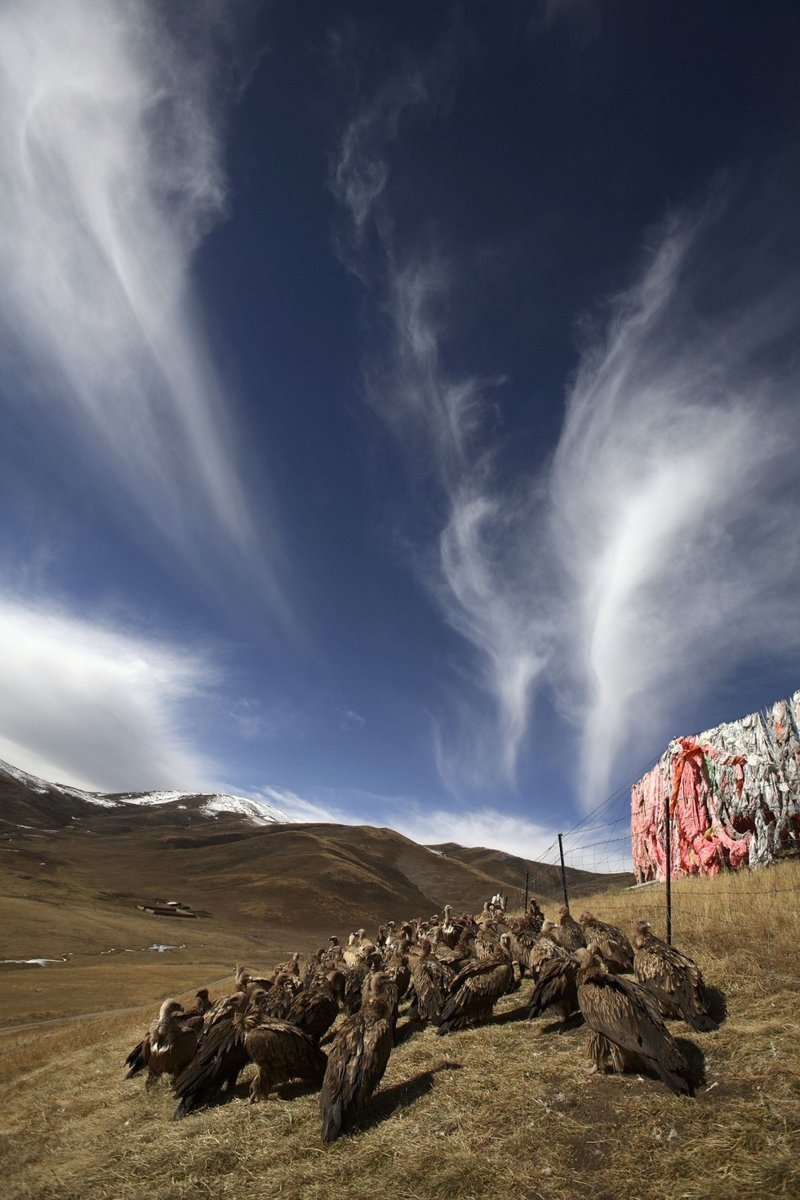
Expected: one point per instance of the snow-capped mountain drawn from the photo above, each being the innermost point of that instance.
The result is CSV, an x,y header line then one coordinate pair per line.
x,y
212,806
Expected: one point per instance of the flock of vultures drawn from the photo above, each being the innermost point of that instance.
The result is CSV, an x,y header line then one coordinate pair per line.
x,y
451,971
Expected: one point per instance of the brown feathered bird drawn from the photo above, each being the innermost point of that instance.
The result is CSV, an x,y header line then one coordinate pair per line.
x,y
673,978
244,1034
557,987
219,1058
472,994
136,1060
169,1044
431,979
570,934
544,950
627,1029
281,1052
316,1008
358,1056
616,950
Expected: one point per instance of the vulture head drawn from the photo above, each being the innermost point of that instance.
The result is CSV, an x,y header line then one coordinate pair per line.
x,y
563,911
587,918
642,930
338,984
168,1009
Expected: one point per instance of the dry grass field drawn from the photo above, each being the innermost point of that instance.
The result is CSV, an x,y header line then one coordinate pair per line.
x,y
501,1111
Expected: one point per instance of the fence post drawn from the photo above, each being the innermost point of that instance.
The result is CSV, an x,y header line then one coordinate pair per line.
x,y
668,872
526,889
563,871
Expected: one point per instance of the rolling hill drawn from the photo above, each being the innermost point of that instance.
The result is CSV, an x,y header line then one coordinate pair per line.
x,y
75,865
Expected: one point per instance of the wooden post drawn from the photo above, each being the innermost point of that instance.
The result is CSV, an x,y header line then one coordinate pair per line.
x,y
563,870
668,873
527,873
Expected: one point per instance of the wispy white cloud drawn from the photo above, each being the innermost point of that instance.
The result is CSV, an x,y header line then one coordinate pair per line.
x,y
652,556
95,706
441,419
110,175
674,494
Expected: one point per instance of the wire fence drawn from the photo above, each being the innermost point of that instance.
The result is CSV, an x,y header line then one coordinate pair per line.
x,y
595,856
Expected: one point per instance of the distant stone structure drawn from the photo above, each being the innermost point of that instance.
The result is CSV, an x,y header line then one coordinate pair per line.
x,y
168,908
733,795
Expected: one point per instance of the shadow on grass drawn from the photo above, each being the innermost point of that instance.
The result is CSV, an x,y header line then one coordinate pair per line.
x,y
400,1095
513,1014
574,1021
407,1030
697,1062
716,1002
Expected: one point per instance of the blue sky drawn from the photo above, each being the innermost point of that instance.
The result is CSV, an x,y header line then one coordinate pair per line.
x,y
399,402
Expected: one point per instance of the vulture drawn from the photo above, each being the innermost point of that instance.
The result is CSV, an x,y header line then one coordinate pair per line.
x,y
473,992
544,950
627,1029
358,1056
279,998
244,1034
281,1052
431,979
462,954
220,1056
139,1056
556,987
673,978
169,1044
487,940
570,934
397,968
315,1009
612,943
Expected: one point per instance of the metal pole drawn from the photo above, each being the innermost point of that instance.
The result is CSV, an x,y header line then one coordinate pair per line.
x,y
526,889
563,871
668,874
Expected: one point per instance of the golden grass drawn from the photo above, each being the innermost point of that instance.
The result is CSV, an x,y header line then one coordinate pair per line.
x,y
502,1111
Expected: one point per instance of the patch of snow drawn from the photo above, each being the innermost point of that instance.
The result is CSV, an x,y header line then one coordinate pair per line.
x,y
211,806
36,962
161,949
31,781
258,813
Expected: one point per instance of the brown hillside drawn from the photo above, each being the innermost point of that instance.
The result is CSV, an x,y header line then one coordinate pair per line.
x,y
72,873
544,878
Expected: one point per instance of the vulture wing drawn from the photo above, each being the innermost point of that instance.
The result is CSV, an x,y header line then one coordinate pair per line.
x,y
356,1065
431,981
473,993
614,946
220,1056
624,1014
676,982
557,985
314,1011
542,952
570,933
139,1057
281,1052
